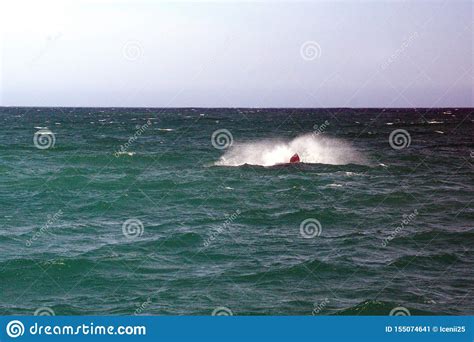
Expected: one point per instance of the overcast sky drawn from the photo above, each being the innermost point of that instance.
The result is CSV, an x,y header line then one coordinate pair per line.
x,y
237,54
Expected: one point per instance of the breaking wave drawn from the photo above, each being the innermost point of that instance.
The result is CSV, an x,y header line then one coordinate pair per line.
x,y
312,149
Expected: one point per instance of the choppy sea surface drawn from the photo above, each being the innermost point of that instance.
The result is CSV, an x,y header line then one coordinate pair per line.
x,y
116,211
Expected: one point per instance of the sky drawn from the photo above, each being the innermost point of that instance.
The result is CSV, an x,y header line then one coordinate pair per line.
x,y
236,54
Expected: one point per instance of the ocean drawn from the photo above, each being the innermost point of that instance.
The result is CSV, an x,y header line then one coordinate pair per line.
x,y
196,211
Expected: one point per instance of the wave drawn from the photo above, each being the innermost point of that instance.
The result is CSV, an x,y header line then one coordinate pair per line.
x,y
299,270
372,307
437,235
312,149
424,260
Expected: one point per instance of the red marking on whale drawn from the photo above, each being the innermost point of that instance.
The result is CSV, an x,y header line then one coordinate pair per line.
x,y
295,158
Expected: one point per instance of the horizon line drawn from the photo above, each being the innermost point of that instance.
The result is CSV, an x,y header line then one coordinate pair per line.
x,y
199,107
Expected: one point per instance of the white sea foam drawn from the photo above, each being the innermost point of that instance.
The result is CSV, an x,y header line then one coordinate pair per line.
x,y
311,148
120,153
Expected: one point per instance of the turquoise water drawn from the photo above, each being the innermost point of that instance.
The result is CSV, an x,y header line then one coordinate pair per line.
x,y
134,211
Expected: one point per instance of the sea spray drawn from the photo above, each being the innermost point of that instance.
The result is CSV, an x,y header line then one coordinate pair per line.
x,y
312,149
